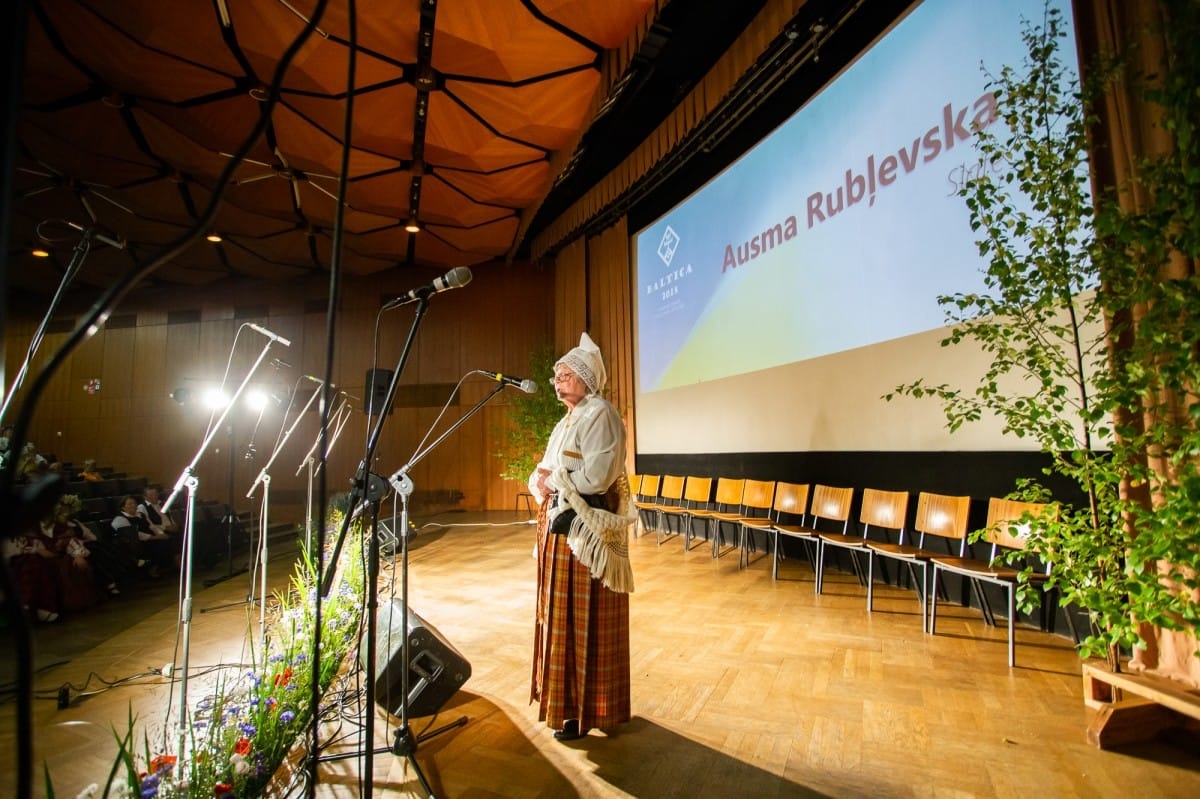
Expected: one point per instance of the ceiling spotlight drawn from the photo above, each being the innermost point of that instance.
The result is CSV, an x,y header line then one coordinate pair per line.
x,y
38,252
181,395
214,237
413,226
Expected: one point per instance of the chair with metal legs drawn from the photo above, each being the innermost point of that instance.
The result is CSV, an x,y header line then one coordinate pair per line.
x,y
1008,529
939,516
881,511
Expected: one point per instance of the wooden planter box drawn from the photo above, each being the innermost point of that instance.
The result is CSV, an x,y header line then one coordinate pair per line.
x,y
1130,707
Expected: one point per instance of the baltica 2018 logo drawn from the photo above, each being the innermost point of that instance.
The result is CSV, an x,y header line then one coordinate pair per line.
x,y
668,245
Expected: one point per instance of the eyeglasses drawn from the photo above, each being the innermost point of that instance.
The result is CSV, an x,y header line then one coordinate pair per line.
x,y
561,378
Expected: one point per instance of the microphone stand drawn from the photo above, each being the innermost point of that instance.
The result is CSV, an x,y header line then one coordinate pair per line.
x,y
264,477
367,486
343,412
82,247
188,478
405,743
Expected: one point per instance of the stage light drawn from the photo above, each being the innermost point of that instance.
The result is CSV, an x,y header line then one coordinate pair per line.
x,y
257,399
214,237
38,252
181,395
413,226
215,399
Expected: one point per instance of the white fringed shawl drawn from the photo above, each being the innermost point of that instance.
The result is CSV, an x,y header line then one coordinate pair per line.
x,y
599,539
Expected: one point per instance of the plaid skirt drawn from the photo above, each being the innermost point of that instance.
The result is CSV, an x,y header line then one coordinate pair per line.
x,y
581,640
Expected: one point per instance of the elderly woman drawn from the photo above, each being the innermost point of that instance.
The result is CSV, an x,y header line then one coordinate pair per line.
x,y
581,648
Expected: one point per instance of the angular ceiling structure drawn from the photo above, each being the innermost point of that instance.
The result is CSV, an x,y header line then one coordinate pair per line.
x,y
132,111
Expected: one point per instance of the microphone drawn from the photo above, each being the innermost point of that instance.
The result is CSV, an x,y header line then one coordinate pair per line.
x,y
526,385
317,380
96,234
455,278
280,363
269,334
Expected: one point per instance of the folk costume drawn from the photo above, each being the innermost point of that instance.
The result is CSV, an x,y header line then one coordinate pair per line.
x,y
581,647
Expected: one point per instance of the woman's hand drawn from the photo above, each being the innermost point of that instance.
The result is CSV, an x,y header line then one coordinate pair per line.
x,y
543,489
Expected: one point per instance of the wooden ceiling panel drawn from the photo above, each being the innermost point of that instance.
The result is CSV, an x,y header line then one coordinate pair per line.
x,y
49,75
605,24
383,121
441,204
503,41
219,126
546,114
456,138
191,34
516,187
382,193
132,112
433,247
119,61
109,156
383,29
486,239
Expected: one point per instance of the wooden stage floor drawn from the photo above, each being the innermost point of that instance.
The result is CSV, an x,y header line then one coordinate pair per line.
x,y
742,686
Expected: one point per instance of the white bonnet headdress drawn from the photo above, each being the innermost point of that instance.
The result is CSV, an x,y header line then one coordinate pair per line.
x,y
585,361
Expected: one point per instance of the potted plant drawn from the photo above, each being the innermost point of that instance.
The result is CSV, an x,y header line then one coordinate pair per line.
x,y
529,420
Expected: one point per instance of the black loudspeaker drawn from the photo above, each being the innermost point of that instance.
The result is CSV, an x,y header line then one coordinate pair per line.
x,y
389,536
435,668
377,383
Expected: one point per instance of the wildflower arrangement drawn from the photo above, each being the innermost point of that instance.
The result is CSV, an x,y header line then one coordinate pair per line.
x,y
242,732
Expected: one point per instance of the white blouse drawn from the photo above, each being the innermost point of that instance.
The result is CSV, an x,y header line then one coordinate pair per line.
x,y
590,442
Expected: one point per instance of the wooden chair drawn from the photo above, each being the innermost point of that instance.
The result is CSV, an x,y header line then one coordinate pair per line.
x,y
790,504
884,510
635,489
830,507
1008,526
646,500
754,506
757,499
697,494
727,506
670,496
938,516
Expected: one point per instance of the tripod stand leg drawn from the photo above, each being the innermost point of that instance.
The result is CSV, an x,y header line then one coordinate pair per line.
x,y
459,722
405,745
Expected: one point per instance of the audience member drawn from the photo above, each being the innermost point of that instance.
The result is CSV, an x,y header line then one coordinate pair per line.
x,y
6,433
150,509
108,563
89,471
35,571
154,550
73,575
30,464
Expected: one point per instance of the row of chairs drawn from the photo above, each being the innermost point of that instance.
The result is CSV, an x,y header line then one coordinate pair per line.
x,y
108,487
819,516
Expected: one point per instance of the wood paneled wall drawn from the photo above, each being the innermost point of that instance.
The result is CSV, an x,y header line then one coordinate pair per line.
x,y
592,293
164,339
610,315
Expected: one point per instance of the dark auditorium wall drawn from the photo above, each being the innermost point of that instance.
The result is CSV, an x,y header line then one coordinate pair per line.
x,y
164,338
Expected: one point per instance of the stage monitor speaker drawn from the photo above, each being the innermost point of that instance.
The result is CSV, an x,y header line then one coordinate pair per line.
x,y
377,383
436,670
389,536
